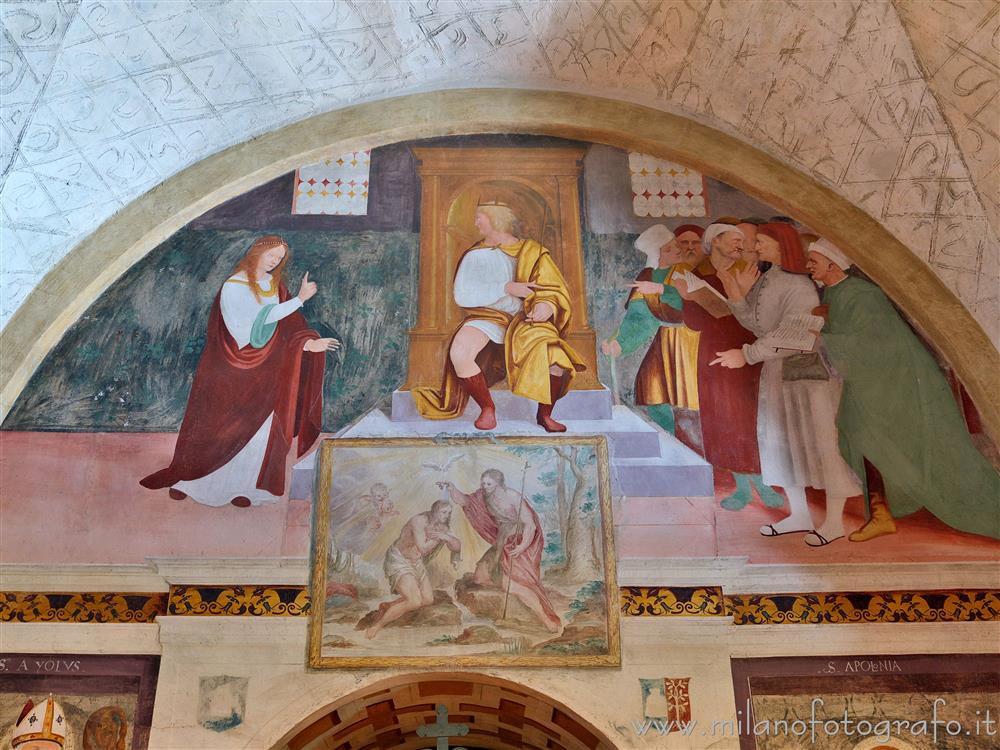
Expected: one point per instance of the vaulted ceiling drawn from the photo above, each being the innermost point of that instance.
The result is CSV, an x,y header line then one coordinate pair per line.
x,y
893,104
958,48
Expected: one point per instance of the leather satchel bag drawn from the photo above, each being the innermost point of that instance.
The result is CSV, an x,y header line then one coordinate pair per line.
x,y
805,366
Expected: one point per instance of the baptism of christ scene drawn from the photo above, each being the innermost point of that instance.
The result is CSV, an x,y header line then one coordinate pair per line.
x,y
494,551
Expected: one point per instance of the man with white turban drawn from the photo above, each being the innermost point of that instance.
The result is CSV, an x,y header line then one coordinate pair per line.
x,y
668,375
830,252
898,419
728,398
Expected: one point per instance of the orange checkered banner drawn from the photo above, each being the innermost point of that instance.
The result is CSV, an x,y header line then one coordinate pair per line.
x,y
664,188
337,186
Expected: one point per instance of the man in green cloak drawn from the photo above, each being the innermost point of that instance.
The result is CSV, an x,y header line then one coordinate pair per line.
x,y
897,413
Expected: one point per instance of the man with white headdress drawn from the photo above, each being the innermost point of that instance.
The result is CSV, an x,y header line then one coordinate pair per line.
x,y
668,375
728,398
899,425
40,727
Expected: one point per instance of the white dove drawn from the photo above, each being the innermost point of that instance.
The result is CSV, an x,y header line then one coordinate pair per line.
x,y
447,464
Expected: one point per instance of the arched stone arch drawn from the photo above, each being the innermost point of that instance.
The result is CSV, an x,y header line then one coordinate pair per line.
x,y
94,264
500,714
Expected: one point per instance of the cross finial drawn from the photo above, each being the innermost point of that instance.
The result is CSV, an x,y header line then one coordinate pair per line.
x,y
442,729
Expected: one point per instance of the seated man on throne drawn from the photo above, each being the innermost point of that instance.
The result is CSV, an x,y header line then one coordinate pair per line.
x,y
517,313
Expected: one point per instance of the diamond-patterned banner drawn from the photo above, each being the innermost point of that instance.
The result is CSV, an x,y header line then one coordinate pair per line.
x,y
663,188
336,186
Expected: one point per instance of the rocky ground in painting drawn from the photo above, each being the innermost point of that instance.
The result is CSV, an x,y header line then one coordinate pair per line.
x,y
586,627
488,602
472,635
442,613
344,611
576,641
472,618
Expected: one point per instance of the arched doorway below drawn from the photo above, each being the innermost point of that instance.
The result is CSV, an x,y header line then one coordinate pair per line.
x,y
500,714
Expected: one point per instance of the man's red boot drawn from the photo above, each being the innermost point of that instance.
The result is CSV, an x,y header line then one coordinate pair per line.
x,y
544,415
480,392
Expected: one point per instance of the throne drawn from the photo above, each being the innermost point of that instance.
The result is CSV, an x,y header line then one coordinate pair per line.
x,y
541,185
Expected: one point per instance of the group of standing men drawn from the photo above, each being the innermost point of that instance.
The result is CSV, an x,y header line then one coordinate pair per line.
x,y
868,409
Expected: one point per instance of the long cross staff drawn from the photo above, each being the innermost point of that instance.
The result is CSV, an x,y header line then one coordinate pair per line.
x,y
518,529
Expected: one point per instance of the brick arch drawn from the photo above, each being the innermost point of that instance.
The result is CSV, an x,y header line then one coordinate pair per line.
x,y
500,714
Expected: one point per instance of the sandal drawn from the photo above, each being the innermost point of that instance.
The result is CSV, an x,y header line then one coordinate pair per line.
x,y
823,541
774,532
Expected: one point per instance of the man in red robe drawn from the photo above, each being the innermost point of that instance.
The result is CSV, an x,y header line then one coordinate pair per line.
x,y
505,519
728,399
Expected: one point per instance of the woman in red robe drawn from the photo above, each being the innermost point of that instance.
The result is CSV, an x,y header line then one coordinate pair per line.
x,y
258,386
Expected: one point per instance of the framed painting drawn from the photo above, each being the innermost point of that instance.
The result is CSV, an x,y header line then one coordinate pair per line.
x,y
105,701
463,551
902,701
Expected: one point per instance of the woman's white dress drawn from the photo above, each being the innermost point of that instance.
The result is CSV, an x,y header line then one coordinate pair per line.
x,y
796,421
239,477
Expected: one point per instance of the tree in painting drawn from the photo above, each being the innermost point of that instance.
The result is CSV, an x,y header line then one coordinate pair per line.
x,y
576,547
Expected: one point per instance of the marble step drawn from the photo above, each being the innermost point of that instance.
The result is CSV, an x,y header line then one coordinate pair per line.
x,y
677,470
629,435
594,404
645,461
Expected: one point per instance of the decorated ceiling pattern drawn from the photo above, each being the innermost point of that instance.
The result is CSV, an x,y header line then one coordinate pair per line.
x,y
892,104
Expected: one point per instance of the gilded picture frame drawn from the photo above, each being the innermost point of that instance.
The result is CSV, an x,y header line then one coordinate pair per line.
x,y
463,551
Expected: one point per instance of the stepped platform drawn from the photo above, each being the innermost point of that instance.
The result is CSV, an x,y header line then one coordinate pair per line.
x,y
575,405
645,460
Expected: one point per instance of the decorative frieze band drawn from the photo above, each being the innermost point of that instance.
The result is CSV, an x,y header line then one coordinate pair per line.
x,y
652,601
239,601
16,606
661,601
840,608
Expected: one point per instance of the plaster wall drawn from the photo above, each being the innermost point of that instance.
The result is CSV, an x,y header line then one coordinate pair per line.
x,y
105,100
283,695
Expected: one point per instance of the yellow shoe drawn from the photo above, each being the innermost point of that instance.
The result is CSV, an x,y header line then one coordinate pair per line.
x,y
880,524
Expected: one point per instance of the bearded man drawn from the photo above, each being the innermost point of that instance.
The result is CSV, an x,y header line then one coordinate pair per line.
x,y
517,314
504,518
668,375
728,398
405,564
749,226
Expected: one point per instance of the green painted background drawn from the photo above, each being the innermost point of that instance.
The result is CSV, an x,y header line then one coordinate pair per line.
x,y
128,363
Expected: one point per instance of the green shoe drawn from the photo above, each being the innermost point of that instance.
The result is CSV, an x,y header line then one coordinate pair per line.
x,y
741,497
663,415
768,496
